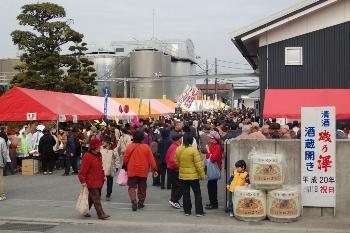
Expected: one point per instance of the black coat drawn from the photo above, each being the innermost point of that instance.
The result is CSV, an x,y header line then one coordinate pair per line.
x,y
46,144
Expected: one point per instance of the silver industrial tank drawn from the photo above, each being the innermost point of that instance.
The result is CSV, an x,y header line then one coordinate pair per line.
x,y
145,63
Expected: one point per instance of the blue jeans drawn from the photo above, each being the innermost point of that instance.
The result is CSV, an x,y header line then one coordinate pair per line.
x,y
230,202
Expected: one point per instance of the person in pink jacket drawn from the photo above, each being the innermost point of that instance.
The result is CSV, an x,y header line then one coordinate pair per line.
x,y
173,171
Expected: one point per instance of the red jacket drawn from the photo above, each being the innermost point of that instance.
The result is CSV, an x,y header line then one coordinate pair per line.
x,y
139,158
170,157
215,154
91,171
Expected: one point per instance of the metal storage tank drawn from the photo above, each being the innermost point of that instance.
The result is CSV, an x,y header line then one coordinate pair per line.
x,y
110,67
144,63
181,68
166,65
172,87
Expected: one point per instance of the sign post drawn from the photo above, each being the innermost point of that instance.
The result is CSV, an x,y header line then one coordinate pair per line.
x,y
318,156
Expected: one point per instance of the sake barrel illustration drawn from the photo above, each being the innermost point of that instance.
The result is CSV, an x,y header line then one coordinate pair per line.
x,y
267,171
249,204
283,205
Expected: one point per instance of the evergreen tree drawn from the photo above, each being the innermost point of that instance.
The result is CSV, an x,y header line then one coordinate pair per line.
x,y
43,66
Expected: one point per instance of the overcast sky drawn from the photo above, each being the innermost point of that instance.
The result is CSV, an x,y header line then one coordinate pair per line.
x,y
206,22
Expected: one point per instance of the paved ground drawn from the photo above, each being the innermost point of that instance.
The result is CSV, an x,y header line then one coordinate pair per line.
x,y
50,200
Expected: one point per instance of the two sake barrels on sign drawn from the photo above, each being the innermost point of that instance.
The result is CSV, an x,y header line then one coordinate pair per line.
x,y
283,205
249,204
267,171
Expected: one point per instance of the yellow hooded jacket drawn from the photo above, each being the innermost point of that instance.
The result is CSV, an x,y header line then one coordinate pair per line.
x,y
239,179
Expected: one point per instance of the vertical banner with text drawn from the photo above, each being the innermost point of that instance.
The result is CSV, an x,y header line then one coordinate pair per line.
x,y
318,156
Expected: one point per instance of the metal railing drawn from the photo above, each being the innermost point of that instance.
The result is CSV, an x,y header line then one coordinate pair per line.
x,y
6,77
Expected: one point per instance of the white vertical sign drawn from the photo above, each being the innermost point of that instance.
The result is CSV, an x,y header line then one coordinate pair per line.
x,y
318,156
31,116
74,118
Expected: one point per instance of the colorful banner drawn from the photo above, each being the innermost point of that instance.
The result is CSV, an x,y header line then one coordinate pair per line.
x,y
318,156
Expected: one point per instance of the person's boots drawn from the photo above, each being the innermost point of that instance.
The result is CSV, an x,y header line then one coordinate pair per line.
x,y
134,205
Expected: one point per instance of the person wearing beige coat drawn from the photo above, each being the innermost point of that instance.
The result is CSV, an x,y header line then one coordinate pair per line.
x,y
110,163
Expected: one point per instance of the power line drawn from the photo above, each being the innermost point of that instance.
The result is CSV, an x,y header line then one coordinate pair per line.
x,y
236,63
230,67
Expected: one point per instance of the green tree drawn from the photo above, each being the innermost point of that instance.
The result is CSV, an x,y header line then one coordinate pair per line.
x,y
43,66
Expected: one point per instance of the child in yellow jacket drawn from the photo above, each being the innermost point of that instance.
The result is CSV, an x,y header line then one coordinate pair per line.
x,y
239,177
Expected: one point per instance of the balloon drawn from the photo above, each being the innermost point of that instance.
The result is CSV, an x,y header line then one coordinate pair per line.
x,y
126,108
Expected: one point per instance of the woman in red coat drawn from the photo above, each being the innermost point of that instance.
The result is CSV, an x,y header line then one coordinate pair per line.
x,y
214,153
138,158
91,175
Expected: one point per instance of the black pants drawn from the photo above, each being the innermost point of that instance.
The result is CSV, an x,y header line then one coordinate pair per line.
x,y
176,189
71,161
48,163
213,192
8,169
194,184
109,186
163,172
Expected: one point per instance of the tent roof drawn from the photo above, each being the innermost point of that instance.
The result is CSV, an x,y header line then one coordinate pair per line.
x,y
47,105
134,106
15,105
97,102
287,103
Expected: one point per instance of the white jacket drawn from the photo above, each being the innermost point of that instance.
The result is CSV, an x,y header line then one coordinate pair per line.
x,y
123,142
4,153
110,161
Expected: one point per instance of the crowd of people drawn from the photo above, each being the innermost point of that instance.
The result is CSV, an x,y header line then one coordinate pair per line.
x,y
177,149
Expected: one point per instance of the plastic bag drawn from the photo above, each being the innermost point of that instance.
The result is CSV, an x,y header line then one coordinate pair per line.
x,y
82,205
122,179
213,171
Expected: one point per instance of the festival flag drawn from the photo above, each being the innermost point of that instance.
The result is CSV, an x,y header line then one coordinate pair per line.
x,y
149,107
140,103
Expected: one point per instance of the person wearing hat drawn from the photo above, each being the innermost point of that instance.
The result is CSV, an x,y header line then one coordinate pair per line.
x,y
173,172
45,148
92,176
214,153
138,159
110,162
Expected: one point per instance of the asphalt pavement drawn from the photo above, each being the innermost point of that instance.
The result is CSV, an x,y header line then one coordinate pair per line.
x,y
46,204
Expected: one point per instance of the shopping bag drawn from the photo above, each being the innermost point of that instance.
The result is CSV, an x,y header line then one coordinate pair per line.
x,y
122,179
82,205
213,171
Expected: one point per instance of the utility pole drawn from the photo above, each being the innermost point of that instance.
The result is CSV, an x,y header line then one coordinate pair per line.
x,y
207,79
216,79
125,88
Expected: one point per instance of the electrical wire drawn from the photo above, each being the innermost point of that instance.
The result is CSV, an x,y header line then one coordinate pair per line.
x,y
236,63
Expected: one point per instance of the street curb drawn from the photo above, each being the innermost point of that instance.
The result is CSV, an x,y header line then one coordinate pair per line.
x,y
116,223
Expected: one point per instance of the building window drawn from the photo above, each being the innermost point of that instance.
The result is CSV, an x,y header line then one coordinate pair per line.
x,y
293,56
119,50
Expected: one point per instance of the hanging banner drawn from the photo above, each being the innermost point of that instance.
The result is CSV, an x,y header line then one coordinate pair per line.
x,y
191,97
318,156
183,96
75,118
62,118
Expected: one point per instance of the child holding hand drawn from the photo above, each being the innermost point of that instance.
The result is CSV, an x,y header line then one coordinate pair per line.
x,y
239,177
